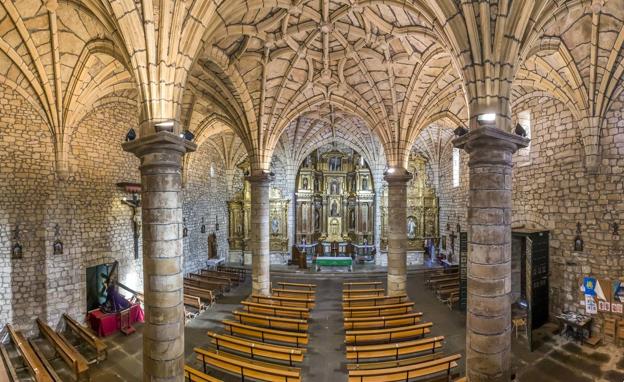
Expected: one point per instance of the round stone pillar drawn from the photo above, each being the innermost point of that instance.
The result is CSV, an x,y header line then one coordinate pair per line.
x,y
163,334
259,233
488,321
397,230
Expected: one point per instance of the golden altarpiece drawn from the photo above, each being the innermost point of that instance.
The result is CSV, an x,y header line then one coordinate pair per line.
x,y
422,208
335,198
239,210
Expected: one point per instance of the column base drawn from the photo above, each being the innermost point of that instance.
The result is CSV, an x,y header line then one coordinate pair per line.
x,y
397,285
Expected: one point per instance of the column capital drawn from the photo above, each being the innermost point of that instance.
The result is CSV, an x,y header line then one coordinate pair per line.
x,y
496,145
260,177
399,175
159,142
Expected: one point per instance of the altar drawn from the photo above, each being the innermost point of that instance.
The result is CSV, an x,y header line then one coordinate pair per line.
x,y
331,261
105,324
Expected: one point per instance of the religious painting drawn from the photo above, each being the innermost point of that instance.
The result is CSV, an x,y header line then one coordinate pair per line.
x,y
411,228
334,189
275,225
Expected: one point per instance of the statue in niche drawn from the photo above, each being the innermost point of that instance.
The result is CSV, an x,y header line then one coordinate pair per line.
x,y
353,186
305,183
411,228
365,183
316,184
352,218
338,164
317,219
334,188
334,209
275,225
333,228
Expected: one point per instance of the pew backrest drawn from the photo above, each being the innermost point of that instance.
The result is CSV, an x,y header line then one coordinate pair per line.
x,y
399,333
378,310
95,343
276,310
264,334
7,370
32,361
257,349
438,367
394,350
274,322
193,375
68,353
351,323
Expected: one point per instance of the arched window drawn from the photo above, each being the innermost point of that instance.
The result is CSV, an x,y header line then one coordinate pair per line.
x,y
456,163
524,120
212,170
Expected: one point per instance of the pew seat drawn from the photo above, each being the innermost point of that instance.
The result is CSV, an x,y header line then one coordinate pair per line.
x,y
256,349
395,363
399,333
265,334
293,293
394,350
378,310
87,336
7,370
194,375
441,368
194,302
276,310
297,285
302,302
76,362
247,368
352,323
374,300
204,294
362,292
273,322
361,284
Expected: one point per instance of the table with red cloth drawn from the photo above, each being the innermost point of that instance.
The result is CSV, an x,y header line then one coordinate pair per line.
x,y
105,324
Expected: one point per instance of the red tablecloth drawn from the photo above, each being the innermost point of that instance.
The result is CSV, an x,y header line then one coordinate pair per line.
x,y
105,324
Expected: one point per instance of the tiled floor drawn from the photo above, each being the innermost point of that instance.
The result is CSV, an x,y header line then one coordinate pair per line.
x,y
554,359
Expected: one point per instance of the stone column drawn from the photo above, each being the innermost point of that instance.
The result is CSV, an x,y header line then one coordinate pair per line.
x,y
259,233
397,229
488,322
161,181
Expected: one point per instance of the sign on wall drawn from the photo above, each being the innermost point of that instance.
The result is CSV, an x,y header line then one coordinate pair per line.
x,y
600,295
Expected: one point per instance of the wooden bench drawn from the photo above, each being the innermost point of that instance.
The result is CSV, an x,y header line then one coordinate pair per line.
x,y
226,283
443,293
293,293
395,363
257,349
265,334
31,360
276,310
193,375
89,338
77,363
439,367
351,323
194,302
394,350
297,285
399,333
216,288
7,371
374,300
274,322
379,310
283,301
234,279
451,300
358,284
446,284
204,294
446,279
362,292
247,368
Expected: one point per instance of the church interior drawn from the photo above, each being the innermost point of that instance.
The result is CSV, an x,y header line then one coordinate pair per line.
x,y
311,190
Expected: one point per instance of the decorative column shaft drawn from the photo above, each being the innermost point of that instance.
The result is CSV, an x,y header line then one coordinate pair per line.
x,y
161,181
259,233
397,230
488,323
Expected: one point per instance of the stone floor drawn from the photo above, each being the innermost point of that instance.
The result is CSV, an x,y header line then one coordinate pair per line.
x,y
554,359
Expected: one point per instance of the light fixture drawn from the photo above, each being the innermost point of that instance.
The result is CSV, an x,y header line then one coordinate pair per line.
x,y
520,130
487,117
131,135
460,130
164,126
187,135
391,170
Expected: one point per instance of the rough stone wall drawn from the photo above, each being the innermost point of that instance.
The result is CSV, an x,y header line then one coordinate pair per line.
x,y
94,224
204,196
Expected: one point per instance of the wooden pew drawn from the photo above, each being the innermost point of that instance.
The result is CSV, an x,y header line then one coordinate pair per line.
x,y
77,363
293,293
276,310
452,299
273,322
395,363
234,279
42,357
399,333
362,292
7,371
203,294
439,367
193,375
394,350
297,285
283,301
265,334
212,279
446,284
216,288
95,343
442,279
247,368
354,323
360,284
241,272
31,360
374,300
255,349
443,293
194,302
378,310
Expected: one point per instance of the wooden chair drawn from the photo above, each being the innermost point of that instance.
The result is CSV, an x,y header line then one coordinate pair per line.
x,y
297,285
246,368
265,334
256,349
394,350
378,310
273,322
193,375
35,366
382,322
375,300
283,301
276,310
89,338
400,333
76,362
435,368
520,322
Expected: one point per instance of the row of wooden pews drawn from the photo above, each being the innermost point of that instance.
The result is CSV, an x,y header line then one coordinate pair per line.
x,y
388,341
265,340
26,356
445,284
202,289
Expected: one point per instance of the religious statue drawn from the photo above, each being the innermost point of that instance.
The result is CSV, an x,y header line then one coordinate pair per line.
x,y
316,184
334,209
365,183
411,228
352,218
275,225
305,183
317,219
334,188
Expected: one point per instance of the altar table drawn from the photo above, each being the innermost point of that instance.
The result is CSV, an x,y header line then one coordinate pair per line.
x,y
105,324
329,261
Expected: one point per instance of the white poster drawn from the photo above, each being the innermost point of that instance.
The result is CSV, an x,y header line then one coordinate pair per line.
x,y
590,305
